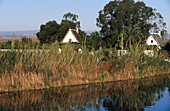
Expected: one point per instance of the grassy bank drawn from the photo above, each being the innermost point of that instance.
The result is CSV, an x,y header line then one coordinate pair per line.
x,y
44,69
126,96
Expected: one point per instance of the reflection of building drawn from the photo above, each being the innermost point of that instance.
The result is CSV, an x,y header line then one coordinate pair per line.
x,y
72,36
156,39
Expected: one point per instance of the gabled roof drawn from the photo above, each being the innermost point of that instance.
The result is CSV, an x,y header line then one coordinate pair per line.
x,y
161,42
76,35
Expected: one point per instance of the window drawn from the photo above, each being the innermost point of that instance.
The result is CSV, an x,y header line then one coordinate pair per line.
x,y
151,41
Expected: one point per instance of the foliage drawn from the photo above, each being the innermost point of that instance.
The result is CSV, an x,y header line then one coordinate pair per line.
x,y
167,47
25,40
6,45
48,32
69,21
130,36
52,31
117,14
7,61
47,67
24,43
151,47
94,40
73,18
64,27
113,96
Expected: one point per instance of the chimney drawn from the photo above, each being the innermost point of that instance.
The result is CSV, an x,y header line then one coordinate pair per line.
x,y
69,28
77,29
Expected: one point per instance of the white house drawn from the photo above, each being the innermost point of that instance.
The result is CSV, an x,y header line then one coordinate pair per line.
x,y
72,35
155,39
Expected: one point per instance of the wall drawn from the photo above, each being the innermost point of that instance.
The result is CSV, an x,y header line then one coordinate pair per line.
x,y
148,42
70,36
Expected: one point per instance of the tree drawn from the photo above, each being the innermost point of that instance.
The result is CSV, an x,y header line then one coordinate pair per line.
x,y
69,21
64,26
167,47
94,40
26,40
117,14
72,17
48,32
52,31
131,36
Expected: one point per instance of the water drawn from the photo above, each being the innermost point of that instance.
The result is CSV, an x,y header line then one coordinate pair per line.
x,y
147,94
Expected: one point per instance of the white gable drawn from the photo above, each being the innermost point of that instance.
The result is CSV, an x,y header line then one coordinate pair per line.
x,y
152,41
69,37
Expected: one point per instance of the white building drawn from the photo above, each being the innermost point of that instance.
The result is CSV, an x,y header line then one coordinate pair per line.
x,y
72,36
156,39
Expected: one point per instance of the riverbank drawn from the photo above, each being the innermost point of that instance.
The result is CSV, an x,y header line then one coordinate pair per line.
x,y
127,95
41,69
82,84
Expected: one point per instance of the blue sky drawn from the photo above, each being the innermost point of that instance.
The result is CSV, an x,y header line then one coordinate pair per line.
x,y
19,15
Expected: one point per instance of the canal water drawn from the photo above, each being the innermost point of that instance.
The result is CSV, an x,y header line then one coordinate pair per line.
x,y
149,94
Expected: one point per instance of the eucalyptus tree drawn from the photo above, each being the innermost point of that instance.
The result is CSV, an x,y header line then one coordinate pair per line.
x,y
119,13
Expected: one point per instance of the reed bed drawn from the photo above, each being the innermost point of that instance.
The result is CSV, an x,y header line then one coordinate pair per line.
x,y
46,68
124,95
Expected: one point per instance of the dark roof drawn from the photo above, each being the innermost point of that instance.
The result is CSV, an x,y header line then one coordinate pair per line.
x,y
77,36
161,42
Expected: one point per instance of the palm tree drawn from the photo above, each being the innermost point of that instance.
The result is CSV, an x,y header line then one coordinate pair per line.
x,y
132,35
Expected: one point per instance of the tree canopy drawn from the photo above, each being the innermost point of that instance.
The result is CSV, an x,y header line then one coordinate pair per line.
x,y
94,40
167,47
48,32
129,13
69,21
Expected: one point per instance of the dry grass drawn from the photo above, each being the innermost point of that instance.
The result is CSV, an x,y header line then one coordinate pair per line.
x,y
45,69
127,95
3,40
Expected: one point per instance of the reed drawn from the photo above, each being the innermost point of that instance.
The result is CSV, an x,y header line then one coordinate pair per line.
x,y
124,95
36,68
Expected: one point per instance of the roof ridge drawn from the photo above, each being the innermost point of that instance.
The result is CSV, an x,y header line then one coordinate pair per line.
x,y
73,30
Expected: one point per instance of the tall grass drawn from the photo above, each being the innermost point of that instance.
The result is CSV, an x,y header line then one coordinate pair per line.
x,y
45,68
126,95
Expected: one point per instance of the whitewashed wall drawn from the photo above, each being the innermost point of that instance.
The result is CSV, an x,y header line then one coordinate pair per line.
x,y
148,42
70,36
149,52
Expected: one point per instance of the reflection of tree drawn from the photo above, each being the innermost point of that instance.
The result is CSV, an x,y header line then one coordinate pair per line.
x,y
121,96
137,94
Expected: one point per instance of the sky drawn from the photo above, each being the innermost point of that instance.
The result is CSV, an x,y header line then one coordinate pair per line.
x,y
21,15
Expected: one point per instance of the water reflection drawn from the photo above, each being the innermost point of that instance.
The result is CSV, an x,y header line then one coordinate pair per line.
x,y
118,96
